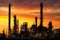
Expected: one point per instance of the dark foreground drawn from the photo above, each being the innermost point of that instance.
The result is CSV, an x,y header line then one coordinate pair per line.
x,y
29,38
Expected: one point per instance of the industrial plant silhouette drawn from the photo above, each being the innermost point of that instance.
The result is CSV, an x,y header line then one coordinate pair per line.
x,y
34,33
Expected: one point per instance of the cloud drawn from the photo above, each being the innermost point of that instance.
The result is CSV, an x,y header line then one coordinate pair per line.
x,y
52,16
31,4
4,3
34,4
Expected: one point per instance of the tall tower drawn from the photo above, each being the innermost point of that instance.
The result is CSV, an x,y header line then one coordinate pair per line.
x,y
40,28
41,14
36,21
15,26
50,26
9,29
50,29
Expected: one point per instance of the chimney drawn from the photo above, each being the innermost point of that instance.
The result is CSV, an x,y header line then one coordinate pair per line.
x,y
36,21
41,14
9,29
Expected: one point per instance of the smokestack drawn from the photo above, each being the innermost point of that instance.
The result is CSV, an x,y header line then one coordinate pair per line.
x,y
15,26
9,29
14,20
41,14
36,21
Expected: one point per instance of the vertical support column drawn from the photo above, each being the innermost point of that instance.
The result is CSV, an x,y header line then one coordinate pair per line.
x,y
9,29
41,15
36,21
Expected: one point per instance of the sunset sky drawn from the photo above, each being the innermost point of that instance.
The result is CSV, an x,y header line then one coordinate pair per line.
x,y
27,10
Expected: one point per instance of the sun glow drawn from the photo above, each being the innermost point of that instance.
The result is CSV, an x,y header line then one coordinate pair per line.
x,y
25,15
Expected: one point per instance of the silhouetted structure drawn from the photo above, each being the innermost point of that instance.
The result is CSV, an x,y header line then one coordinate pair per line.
x,y
36,21
40,28
9,29
33,30
35,33
24,30
56,33
15,29
50,26
41,14
50,29
4,34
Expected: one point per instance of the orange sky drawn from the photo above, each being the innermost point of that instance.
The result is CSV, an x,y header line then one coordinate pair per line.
x,y
27,13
